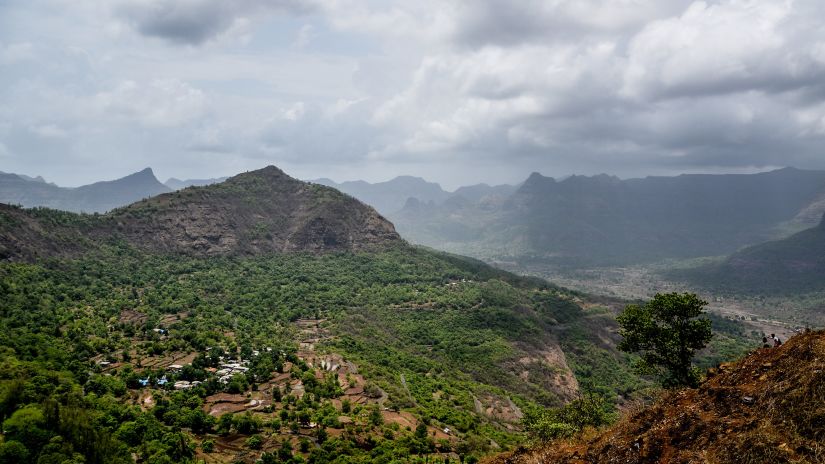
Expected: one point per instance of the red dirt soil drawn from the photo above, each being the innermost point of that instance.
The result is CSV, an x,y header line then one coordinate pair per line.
x,y
768,407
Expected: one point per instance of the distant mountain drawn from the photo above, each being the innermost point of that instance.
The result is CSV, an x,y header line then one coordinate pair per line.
x,y
94,198
479,192
390,196
791,265
253,213
177,184
603,220
33,179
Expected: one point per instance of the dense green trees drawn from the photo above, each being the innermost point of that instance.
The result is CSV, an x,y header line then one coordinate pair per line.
x,y
549,424
453,328
666,332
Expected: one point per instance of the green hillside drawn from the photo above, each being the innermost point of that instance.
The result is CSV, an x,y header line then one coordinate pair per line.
x,y
320,337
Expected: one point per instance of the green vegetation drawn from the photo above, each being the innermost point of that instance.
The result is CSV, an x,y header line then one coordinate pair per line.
x,y
84,344
550,424
667,331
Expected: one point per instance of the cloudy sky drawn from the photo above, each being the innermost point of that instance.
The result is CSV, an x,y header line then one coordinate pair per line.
x,y
456,91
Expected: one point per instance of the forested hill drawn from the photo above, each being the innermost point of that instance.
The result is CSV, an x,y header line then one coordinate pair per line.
x,y
604,220
257,212
93,198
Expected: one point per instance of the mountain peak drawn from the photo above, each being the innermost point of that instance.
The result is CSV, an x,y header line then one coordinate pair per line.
x,y
536,176
535,183
270,170
143,173
257,212
146,176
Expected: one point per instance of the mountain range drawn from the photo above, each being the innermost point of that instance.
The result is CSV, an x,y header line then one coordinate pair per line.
x,y
391,196
29,192
94,198
177,184
578,221
603,220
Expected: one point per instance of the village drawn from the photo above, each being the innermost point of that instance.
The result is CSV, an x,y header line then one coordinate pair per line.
x,y
352,405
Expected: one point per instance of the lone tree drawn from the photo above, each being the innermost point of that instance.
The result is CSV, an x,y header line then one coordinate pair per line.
x,y
666,332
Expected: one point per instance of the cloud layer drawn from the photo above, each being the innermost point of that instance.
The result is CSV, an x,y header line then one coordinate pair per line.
x,y
459,91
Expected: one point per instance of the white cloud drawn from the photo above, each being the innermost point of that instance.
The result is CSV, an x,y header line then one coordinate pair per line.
x,y
160,102
305,36
295,112
576,85
4,151
731,47
15,52
50,131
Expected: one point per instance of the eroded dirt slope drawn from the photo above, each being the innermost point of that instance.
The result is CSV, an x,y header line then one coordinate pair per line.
x,y
766,408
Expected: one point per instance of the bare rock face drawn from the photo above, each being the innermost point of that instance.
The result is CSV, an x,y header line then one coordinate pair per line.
x,y
258,212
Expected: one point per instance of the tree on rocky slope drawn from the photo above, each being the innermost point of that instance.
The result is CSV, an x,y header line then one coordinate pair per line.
x,y
666,332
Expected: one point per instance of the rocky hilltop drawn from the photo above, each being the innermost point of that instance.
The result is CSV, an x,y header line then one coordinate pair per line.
x,y
768,407
258,212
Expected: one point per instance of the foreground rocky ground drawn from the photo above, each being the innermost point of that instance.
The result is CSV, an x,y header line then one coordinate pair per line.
x,y
767,407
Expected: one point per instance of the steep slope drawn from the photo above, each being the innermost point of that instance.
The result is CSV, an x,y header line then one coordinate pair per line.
x,y
258,212
94,198
791,265
768,407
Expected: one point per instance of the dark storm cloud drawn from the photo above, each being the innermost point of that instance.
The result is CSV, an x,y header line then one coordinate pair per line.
x,y
193,22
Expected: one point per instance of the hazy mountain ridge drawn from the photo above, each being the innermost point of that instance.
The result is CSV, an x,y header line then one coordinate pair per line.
x,y
603,220
390,196
178,184
577,221
93,198
258,212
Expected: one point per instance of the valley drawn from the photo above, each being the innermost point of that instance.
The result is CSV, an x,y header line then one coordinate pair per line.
x,y
266,319
762,314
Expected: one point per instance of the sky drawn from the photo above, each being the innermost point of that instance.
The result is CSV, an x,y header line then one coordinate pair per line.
x,y
458,92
